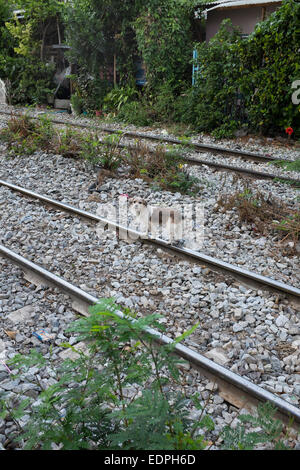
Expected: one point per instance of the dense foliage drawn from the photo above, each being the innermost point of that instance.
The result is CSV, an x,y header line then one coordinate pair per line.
x,y
29,79
110,38
270,64
163,32
242,83
249,81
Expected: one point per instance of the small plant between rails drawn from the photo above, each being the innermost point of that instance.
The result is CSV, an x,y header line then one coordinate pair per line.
x,y
124,392
266,215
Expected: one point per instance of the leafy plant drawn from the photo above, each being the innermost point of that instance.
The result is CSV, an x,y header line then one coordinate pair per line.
x,y
25,136
268,430
116,394
88,92
290,226
77,104
238,81
89,405
290,166
157,26
106,153
161,168
68,142
136,113
118,97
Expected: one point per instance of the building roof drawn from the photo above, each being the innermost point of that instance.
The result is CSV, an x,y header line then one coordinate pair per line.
x,y
226,4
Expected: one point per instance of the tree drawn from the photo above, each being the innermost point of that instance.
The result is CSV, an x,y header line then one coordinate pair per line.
x,y
164,37
30,33
98,31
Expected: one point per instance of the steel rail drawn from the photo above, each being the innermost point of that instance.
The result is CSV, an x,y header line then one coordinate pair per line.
x,y
194,145
244,389
223,166
236,271
247,171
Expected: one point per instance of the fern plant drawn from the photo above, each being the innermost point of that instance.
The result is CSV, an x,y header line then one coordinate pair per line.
x,y
268,430
119,394
91,405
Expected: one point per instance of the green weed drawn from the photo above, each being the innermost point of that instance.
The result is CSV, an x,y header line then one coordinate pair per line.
x,y
118,394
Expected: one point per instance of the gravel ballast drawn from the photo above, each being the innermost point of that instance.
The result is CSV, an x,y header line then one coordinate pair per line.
x,y
254,333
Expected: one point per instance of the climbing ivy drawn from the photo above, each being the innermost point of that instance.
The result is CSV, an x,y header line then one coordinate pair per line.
x,y
270,63
249,81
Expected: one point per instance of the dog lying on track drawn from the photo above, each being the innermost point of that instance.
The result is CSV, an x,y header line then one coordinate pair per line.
x,y
153,218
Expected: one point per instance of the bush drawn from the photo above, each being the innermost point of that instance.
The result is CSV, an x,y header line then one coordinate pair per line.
x,y
90,406
269,65
250,80
136,113
164,37
118,394
24,136
118,97
89,92
216,87
161,168
29,81
106,153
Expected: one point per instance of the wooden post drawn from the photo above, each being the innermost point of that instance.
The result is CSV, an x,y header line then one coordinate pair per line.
x,y
58,30
115,70
263,13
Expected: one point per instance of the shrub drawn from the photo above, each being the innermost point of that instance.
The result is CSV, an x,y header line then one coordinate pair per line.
x,y
162,168
136,113
118,394
118,97
164,38
250,80
269,66
29,81
89,92
216,87
89,405
25,135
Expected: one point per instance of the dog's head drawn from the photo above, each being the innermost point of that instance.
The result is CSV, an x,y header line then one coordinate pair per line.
x,y
137,205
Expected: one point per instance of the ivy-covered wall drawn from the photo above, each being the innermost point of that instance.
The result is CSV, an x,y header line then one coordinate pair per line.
x,y
249,81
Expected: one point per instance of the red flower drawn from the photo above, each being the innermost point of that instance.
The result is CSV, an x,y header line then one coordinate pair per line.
x,y
289,130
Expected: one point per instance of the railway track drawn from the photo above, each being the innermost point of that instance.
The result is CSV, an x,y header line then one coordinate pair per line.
x,y
196,147
238,390
248,277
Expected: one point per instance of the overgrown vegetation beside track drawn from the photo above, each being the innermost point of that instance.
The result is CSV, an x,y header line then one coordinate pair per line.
x,y
242,84
123,392
161,168
265,214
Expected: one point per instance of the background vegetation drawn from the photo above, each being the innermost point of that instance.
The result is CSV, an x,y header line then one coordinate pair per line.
x,y
241,84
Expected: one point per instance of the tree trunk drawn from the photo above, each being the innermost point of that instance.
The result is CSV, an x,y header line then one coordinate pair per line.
x,y
58,31
43,41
